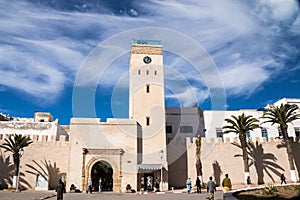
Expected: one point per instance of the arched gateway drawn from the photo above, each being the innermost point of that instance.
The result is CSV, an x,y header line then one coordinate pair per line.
x,y
102,176
106,169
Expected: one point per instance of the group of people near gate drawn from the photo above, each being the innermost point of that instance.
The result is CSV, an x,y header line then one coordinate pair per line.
x,y
210,186
226,184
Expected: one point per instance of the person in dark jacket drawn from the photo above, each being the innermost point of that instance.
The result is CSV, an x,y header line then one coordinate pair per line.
x,y
198,184
249,182
282,178
60,189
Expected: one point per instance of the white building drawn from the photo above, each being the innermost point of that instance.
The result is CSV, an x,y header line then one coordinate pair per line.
x,y
41,124
215,120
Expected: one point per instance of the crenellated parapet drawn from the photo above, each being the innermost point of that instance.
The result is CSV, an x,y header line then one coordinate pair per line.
x,y
261,140
43,139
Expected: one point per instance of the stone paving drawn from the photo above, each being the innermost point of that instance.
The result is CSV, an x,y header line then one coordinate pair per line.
x,y
26,195
51,195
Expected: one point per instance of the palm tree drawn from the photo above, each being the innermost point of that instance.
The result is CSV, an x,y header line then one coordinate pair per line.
x,y
240,125
282,115
15,144
263,162
198,159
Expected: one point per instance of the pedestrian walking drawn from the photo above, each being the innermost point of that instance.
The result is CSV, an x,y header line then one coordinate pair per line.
x,y
89,186
142,185
249,182
60,188
100,184
211,188
226,183
283,179
157,181
189,185
198,185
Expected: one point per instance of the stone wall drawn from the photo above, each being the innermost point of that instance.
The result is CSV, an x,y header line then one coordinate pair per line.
x,y
220,158
44,156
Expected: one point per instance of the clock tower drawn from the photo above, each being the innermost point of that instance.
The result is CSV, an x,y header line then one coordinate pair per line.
x,y
146,98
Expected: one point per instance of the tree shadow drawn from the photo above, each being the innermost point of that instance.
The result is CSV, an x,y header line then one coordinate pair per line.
x,y
7,173
46,168
217,172
24,185
296,151
263,162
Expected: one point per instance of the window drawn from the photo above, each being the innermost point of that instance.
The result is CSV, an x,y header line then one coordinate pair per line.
x,y
139,72
264,133
42,120
147,72
147,121
155,72
219,133
147,88
186,129
297,131
169,129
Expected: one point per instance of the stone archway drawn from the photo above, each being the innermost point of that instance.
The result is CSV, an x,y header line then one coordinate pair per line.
x,y
116,175
102,175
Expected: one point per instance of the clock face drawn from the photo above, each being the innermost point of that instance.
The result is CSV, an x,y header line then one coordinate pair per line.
x,y
147,59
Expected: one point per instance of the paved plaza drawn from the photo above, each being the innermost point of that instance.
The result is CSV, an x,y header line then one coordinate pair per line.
x,y
39,195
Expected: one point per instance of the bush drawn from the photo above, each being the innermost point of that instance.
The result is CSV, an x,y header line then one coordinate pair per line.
x,y
297,188
270,190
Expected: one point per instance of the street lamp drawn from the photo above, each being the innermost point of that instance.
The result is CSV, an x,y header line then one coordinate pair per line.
x,y
161,154
21,151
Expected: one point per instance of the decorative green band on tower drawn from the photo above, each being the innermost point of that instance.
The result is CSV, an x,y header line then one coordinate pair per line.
x,y
147,42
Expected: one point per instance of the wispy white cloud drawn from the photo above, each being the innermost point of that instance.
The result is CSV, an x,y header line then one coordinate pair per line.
x,y
244,78
41,48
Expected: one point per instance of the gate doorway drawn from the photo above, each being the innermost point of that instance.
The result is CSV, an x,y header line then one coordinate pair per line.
x,y
102,175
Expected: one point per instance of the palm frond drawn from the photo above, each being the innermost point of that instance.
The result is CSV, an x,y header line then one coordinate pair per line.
x,y
15,142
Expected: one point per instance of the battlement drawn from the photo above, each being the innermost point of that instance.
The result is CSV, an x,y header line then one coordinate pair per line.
x,y
261,140
42,138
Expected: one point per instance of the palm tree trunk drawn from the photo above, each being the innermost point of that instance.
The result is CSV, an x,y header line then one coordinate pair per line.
x,y
198,158
246,165
245,157
291,160
290,154
16,159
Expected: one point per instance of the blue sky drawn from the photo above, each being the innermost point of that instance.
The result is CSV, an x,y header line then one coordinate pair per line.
x,y
255,46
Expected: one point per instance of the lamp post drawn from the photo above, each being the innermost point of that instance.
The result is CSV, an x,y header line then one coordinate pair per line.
x,y
161,154
21,151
